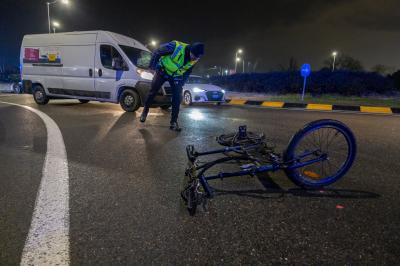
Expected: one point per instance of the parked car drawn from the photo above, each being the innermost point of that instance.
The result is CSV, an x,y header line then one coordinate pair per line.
x,y
91,65
200,90
14,87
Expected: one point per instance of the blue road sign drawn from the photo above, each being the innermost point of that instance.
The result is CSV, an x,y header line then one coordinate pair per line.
x,y
305,70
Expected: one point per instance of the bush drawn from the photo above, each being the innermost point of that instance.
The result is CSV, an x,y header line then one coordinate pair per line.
x,y
320,82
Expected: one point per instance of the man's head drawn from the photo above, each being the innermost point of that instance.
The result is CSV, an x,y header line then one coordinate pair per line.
x,y
196,50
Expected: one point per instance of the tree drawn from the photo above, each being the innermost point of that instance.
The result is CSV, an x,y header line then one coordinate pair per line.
x,y
396,79
349,63
293,66
380,69
344,62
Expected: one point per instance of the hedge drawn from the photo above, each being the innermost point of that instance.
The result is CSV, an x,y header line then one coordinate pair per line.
x,y
320,82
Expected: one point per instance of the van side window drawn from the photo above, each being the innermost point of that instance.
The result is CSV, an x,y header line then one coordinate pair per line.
x,y
107,54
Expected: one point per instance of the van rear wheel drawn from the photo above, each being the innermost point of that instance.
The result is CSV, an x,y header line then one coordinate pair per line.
x,y
129,100
39,95
83,101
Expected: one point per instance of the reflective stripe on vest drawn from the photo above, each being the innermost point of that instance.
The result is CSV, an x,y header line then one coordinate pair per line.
x,y
173,64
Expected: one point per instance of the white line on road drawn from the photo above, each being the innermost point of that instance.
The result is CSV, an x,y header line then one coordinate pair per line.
x,y
48,238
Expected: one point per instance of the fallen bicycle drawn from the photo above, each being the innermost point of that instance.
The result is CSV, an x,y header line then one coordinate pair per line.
x,y
318,155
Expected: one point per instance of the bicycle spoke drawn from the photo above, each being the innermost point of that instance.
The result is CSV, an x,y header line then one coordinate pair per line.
x,y
335,135
313,143
319,138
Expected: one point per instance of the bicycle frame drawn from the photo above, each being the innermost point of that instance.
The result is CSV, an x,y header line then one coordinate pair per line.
x,y
250,169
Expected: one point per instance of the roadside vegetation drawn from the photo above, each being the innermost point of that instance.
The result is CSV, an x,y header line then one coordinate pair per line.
x,y
349,84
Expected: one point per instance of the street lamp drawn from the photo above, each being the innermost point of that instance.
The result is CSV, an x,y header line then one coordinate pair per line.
x,y
151,43
236,56
55,25
334,54
65,2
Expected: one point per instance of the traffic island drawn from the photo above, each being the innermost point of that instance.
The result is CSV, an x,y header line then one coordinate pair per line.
x,y
316,106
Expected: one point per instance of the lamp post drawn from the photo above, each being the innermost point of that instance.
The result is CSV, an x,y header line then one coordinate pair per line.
x,y
236,58
65,2
55,25
334,54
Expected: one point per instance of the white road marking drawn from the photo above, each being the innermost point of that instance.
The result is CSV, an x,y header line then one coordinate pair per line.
x,y
48,238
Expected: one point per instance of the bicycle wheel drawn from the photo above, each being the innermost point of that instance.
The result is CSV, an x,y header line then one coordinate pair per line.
x,y
322,137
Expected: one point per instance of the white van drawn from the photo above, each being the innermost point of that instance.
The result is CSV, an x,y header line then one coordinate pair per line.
x,y
91,65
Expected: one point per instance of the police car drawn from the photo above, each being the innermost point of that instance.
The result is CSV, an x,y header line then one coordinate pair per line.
x,y
199,90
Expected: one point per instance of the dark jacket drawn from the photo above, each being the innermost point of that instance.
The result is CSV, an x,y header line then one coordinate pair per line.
x,y
166,49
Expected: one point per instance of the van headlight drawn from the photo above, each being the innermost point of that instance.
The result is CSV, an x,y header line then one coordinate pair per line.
x,y
144,74
223,91
197,90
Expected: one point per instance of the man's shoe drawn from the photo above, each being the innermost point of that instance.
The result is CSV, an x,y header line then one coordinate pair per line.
x,y
143,116
174,126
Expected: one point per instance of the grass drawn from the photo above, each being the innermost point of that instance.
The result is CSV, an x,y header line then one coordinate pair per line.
x,y
336,99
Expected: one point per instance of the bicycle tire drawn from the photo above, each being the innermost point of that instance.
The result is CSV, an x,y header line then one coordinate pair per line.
x,y
305,180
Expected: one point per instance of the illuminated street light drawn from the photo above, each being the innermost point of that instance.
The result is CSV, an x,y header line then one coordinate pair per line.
x,y
334,54
239,51
55,25
237,59
152,43
65,2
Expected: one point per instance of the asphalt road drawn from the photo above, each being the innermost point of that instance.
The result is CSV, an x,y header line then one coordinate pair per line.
x,y
125,180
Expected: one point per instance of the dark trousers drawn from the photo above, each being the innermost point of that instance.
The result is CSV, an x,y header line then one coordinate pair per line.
x,y
158,81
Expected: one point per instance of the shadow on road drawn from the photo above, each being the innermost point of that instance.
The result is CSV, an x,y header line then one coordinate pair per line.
x,y
67,103
273,190
123,120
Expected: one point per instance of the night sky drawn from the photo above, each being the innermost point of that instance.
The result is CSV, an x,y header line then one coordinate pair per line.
x,y
269,32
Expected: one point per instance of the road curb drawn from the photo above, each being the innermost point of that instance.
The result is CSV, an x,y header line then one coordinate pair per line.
x,y
318,107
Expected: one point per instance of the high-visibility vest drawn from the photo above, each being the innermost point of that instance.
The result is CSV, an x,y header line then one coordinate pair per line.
x,y
173,63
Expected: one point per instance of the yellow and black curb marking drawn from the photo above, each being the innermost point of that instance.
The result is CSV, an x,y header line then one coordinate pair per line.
x,y
313,106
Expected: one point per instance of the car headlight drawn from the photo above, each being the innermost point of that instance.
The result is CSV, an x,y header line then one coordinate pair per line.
x,y
145,74
198,90
223,91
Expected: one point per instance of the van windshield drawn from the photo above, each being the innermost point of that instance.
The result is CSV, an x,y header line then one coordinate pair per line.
x,y
138,57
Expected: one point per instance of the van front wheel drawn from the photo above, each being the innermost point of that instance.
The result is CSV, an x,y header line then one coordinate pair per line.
x,y
39,95
129,100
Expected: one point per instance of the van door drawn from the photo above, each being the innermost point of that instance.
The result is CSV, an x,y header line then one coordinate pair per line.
x,y
78,71
110,67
